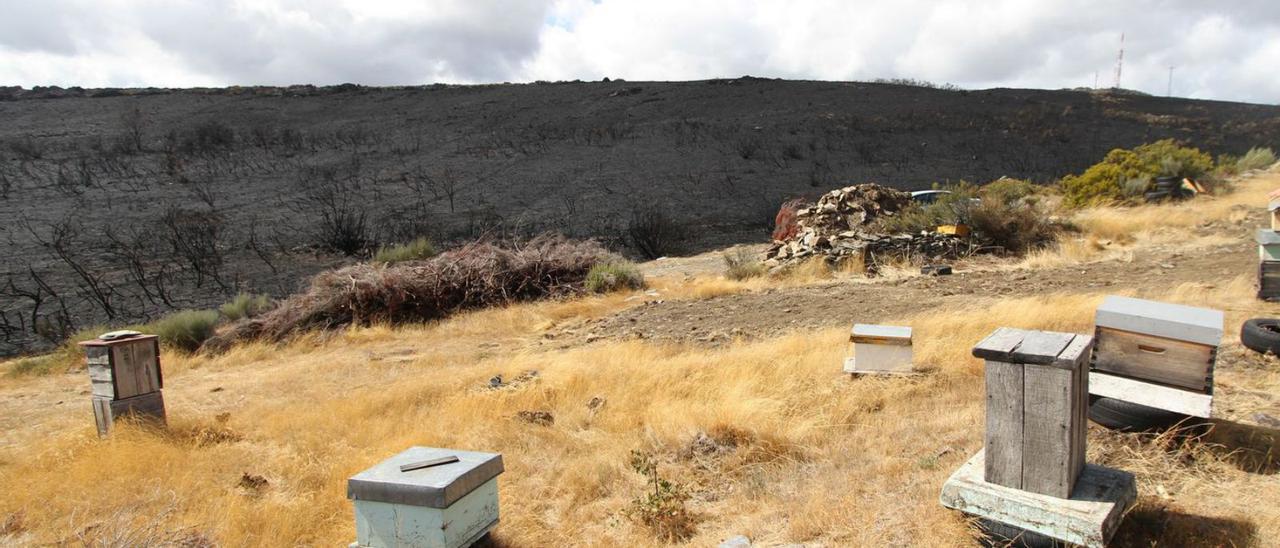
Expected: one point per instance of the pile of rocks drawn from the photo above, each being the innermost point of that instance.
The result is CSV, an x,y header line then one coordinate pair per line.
x,y
840,226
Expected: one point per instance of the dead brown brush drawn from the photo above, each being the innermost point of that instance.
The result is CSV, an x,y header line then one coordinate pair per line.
x,y
477,275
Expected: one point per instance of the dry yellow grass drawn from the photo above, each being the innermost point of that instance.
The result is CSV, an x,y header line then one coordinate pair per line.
x,y
816,457
808,454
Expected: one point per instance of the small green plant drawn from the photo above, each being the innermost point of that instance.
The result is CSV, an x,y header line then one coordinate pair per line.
x,y
614,276
741,264
245,305
1256,158
186,329
417,250
662,506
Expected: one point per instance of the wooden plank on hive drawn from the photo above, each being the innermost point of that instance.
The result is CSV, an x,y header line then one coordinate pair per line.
x,y
999,344
1177,400
1004,424
1048,411
1040,347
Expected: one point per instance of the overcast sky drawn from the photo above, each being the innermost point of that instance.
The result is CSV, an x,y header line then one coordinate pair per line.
x,y
1220,49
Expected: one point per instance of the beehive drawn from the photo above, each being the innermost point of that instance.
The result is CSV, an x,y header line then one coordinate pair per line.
x,y
445,506
1162,343
1269,280
1274,208
125,378
149,406
880,349
1037,398
1268,244
124,368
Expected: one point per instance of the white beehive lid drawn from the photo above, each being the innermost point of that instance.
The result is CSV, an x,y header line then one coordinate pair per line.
x,y
880,334
1266,236
433,487
1171,321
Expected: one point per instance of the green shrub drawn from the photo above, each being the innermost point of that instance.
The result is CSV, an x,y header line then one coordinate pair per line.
x,y
1256,158
417,250
245,305
1167,158
1125,174
613,276
185,330
1016,227
1104,181
742,264
1006,190
948,209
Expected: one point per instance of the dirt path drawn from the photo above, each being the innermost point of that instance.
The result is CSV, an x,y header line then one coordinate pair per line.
x,y
1152,270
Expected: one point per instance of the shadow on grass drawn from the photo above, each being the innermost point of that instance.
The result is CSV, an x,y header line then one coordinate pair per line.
x,y
1251,448
1154,524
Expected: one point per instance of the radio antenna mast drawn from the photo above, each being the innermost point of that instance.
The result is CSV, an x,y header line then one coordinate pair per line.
x,y
1120,61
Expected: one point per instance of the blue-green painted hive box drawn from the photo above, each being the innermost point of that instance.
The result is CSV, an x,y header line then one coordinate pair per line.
x,y
1268,244
446,506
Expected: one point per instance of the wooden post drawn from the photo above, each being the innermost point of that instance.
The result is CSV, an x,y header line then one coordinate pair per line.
x,y
1037,391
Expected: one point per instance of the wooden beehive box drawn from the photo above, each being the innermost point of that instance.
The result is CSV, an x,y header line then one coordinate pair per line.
x,y
124,368
1269,280
1274,208
1161,343
148,407
880,349
1268,244
447,506
1037,399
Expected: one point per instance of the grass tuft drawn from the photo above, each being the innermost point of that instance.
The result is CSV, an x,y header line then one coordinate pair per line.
x,y
742,264
614,276
245,305
417,250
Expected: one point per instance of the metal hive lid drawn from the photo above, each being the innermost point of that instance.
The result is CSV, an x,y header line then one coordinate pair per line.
x,y
1168,320
434,487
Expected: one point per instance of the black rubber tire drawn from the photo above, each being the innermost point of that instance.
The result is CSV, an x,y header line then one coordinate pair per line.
x,y
1131,417
1156,196
999,534
1261,335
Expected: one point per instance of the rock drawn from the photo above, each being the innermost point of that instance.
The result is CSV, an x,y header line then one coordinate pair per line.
x,y
540,418
736,541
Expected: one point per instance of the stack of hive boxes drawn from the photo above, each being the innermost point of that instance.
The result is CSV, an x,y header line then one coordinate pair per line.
x,y
1269,256
125,372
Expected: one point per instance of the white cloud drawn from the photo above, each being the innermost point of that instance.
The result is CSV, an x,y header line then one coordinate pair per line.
x,y
1226,50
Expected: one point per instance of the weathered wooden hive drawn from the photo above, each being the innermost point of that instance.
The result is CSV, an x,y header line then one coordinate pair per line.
x,y
1268,262
879,349
1031,474
1156,354
1274,208
1037,402
124,369
426,497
